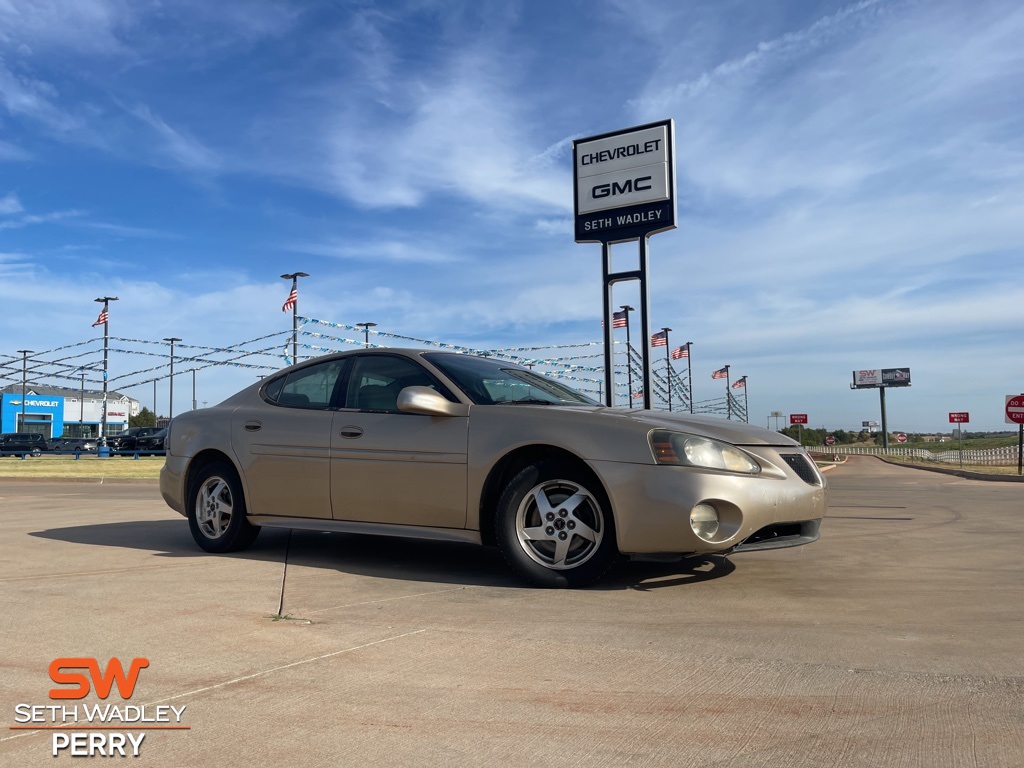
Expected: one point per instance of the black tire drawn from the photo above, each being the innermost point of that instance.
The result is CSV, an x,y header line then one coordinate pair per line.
x,y
37,452
551,543
216,510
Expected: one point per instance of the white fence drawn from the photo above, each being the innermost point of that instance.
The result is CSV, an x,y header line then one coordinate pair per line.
x,y
1005,456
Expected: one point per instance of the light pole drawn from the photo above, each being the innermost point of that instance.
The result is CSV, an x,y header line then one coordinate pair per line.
x,y
24,368
104,317
366,332
292,303
629,355
81,406
170,410
193,389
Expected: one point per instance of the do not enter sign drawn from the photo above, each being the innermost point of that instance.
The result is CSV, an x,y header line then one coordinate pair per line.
x,y
1015,409
901,438
830,440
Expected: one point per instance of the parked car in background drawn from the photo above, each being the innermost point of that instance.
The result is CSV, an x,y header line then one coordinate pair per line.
x,y
152,442
436,445
73,445
19,443
126,441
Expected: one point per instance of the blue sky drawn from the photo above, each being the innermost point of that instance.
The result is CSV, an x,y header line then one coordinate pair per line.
x,y
850,182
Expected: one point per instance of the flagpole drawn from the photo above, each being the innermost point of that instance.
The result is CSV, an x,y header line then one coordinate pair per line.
x,y
629,356
102,450
689,371
728,394
668,367
746,399
294,277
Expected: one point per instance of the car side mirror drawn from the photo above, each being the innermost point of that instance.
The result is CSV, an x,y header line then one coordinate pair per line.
x,y
426,401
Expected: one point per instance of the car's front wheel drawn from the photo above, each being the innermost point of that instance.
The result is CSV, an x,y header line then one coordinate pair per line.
x,y
554,525
216,510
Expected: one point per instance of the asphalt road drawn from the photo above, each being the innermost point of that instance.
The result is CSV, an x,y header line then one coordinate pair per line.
x,y
896,640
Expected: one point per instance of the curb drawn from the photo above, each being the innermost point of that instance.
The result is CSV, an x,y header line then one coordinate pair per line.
x,y
89,480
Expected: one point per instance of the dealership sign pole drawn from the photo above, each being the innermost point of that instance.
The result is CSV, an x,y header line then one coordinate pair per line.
x,y
880,379
624,191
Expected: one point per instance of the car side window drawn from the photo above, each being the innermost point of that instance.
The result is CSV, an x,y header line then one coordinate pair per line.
x,y
376,380
309,387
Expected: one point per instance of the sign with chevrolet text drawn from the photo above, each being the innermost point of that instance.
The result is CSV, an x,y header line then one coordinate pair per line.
x,y
624,184
1015,409
798,418
873,378
959,417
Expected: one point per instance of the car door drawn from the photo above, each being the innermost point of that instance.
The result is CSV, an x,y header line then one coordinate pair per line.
x,y
388,466
284,443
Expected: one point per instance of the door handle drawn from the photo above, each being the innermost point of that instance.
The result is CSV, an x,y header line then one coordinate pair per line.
x,y
351,432
253,426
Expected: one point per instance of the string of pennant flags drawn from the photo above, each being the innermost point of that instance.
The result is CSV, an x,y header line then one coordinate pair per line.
x,y
265,353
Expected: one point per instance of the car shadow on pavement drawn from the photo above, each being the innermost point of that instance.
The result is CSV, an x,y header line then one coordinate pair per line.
x,y
164,538
645,576
382,557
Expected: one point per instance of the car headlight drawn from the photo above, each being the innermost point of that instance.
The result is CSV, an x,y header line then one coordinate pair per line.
x,y
679,449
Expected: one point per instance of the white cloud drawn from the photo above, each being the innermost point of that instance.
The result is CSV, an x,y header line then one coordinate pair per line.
x,y
391,251
10,204
83,26
183,150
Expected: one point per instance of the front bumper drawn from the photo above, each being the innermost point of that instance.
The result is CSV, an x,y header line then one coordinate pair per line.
x,y
781,507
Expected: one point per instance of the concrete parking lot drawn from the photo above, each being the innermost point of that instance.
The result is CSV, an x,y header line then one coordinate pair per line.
x,y
893,641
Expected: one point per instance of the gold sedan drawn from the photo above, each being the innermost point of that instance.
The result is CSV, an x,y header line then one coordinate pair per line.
x,y
438,445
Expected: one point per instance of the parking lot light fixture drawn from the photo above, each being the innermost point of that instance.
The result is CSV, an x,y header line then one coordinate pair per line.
x,y
366,332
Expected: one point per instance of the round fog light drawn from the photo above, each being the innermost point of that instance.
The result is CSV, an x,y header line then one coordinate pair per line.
x,y
704,521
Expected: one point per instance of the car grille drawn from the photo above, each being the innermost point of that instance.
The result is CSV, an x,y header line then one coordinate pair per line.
x,y
799,464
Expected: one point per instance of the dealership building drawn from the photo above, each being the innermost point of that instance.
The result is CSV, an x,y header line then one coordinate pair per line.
x,y
54,412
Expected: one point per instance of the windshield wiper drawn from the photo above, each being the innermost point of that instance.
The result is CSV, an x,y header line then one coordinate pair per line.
x,y
529,401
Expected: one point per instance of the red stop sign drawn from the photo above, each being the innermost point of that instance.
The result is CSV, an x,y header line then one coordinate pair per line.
x,y
901,438
830,440
1015,409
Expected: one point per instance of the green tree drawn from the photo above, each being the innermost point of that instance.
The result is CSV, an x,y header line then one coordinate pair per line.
x,y
146,418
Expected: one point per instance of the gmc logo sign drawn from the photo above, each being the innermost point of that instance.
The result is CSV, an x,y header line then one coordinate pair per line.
x,y
639,184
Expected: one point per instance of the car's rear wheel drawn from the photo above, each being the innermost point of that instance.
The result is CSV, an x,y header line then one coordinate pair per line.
x,y
37,452
554,525
216,510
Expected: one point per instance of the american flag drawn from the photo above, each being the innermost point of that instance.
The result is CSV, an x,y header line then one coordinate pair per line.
x,y
740,384
721,373
291,301
620,319
680,352
660,339
101,319
638,394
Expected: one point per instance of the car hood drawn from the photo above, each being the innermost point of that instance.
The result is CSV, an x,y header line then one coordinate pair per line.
x,y
717,428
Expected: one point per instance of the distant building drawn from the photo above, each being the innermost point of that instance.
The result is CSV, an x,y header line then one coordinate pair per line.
x,y
60,412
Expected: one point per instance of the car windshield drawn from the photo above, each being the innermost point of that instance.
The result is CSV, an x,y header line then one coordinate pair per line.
x,y
495,382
